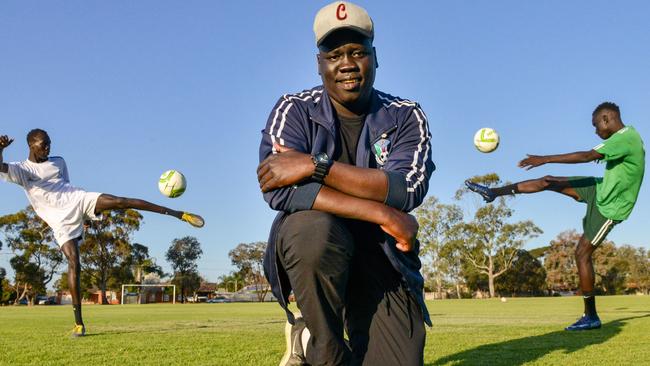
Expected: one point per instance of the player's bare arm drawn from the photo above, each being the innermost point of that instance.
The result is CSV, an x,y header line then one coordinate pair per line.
x,y
401,226
5,141
533,161
290,167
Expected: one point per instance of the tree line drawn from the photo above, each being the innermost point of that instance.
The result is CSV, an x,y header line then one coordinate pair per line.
x,y
481,252
109,257
463,253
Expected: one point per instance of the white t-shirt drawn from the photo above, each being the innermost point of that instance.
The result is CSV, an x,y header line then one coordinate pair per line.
x,y
50,193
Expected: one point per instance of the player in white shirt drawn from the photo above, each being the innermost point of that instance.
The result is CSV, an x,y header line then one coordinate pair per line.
x,y
65,207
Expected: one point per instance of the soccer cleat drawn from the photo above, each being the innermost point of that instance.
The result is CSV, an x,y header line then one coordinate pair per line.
x,y
78,331
585,323
484,191
297,337
192,219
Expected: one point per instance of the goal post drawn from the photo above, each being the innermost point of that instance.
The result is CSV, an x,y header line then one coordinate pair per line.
x,y
140,286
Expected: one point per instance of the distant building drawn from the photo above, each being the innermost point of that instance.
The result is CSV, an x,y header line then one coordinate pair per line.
x,y
149,293
95,297
207,291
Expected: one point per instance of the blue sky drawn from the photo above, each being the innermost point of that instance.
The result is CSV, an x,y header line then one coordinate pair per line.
x,y
129,89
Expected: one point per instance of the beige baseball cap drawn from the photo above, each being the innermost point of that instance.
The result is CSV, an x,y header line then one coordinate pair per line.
x,y
342,14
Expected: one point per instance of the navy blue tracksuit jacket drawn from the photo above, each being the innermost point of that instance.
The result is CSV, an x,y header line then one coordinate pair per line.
x,y
395,138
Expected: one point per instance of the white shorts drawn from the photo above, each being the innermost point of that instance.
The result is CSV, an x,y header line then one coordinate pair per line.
x,y
72,225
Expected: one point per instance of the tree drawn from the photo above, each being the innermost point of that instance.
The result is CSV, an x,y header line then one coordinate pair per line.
x,y
249,258
527,276
233,281
491,243
189,282
182,255
136,267
452,252
637,277
560,263
86,283
437,235
610,271
610,267
36,260
8,292
132,268
107,244
3,274
539,252
142,264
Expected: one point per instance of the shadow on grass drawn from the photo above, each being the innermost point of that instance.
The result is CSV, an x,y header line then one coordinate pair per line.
x,y
528,349
183,326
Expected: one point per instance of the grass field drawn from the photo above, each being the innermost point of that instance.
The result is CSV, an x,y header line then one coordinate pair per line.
x,y
521,331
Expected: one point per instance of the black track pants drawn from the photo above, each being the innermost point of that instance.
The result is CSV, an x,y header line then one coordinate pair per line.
x,y
342,280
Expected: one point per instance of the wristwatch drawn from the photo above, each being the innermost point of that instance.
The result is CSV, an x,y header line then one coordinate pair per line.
x,y
322,162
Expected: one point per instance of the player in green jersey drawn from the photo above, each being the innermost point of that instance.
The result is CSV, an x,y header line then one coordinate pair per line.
x,y
609,199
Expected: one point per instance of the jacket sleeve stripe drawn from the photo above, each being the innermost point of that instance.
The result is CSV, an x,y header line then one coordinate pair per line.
x,y
423,127
424,138
396,102
283,110
275,119
284,119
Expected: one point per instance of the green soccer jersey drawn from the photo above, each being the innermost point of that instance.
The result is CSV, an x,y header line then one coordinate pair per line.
x,y
617,191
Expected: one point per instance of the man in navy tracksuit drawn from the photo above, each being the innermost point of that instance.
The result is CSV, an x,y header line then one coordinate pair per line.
x,y
343,163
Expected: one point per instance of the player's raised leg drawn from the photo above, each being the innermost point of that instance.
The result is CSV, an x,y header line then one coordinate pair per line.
x,y
71,251
547,183
110,202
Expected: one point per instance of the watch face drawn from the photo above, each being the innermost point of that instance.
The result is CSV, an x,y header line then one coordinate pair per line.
x,y
321,158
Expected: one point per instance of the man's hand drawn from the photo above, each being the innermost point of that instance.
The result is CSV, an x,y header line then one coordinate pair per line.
x,y
285,168
5,141
532,161
401,226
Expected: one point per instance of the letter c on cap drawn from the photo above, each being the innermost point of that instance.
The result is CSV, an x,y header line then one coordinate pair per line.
x,y
340,12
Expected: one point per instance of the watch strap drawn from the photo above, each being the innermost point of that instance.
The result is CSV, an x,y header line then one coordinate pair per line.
x,y
321,167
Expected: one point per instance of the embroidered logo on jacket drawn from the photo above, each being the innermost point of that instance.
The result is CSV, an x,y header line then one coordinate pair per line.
x,y
381,148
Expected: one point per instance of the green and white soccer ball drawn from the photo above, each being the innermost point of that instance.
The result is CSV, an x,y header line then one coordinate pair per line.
x,y
172,183
486,140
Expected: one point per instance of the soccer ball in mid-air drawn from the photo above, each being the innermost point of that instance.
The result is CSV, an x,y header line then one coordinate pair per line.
x,y
486,140
172,183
